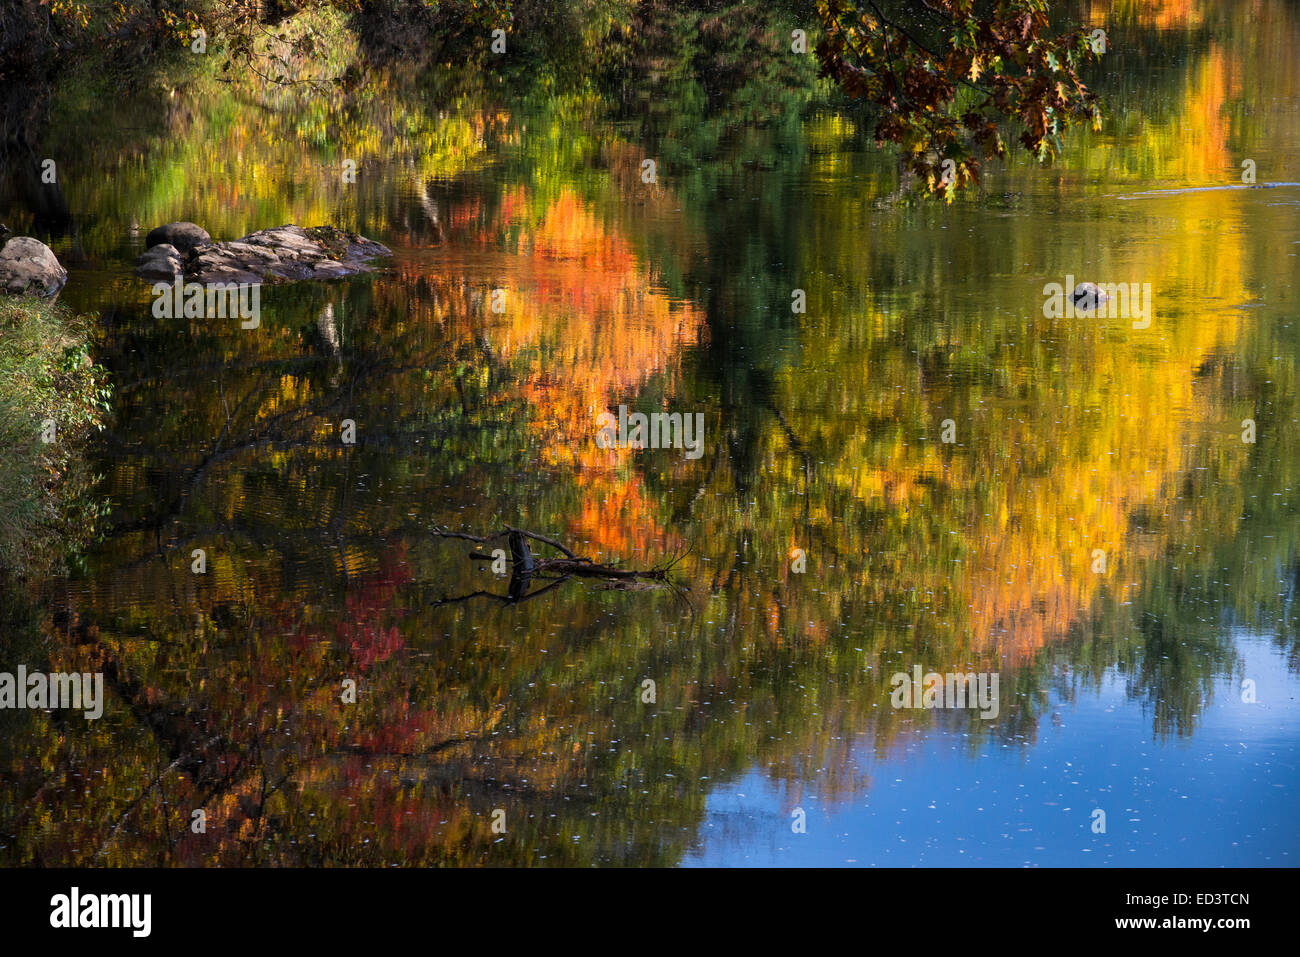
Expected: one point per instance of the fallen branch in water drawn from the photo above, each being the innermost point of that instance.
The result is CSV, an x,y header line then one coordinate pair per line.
x,y
525,566
506,531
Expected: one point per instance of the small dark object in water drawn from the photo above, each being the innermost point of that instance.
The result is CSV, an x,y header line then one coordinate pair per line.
x,y
520,553
1088,296
560,570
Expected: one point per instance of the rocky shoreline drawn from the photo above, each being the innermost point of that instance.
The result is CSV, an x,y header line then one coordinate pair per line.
x,y
185,251
281,254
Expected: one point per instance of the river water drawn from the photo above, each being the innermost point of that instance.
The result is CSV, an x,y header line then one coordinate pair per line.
x,y
1104,532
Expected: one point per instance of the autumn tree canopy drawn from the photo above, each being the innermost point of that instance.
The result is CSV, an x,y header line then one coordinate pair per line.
x,y
946,74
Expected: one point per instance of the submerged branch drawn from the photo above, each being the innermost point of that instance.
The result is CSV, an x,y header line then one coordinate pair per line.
x,y
525,566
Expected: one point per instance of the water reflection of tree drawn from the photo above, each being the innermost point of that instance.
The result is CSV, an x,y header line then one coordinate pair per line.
x,y
319,568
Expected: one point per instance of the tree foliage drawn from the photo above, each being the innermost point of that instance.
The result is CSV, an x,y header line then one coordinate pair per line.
x,y
945,76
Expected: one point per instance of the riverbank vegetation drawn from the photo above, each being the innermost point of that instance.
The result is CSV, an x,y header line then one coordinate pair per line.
x,y
52,398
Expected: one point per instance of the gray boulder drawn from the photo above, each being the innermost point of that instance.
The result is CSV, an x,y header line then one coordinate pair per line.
x,y
280,254
184,236
29,266
160,262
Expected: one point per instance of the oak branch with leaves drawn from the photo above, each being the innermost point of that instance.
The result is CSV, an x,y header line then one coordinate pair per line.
x,y
948,75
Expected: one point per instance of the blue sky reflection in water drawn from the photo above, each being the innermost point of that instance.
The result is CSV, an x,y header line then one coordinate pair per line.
x,y
1225,797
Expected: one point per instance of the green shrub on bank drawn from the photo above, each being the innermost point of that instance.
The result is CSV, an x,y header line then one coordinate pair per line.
x,y
52,397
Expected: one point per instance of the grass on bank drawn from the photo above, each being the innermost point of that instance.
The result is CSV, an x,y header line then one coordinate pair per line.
x,y
48,388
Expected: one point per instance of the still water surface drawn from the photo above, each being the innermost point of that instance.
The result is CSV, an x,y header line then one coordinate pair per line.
x,y
1120,690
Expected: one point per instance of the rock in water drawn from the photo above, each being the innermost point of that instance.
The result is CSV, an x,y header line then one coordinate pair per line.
x,y
163,261
283,253
1088,296
184,236
29,266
